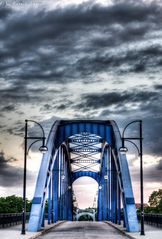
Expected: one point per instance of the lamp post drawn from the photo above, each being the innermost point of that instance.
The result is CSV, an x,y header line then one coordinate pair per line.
x,y
139,148
42,149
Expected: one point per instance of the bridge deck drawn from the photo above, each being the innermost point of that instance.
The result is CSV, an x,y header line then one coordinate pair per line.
x,y
84,230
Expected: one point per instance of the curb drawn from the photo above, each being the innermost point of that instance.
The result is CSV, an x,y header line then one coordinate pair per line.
x,y
46,230
120,230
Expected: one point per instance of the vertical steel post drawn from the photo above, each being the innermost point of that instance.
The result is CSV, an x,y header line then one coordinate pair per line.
x,y
109,186
43,219
70,207
60,162
100,201
118,204
104,187
113,191
24,180
55,190
49,203
52,196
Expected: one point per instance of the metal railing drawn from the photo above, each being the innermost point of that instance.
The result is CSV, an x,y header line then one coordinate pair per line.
x,y
149,218
11,219
153,219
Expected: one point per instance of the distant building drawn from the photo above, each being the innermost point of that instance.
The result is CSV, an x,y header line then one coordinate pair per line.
x,y
138,205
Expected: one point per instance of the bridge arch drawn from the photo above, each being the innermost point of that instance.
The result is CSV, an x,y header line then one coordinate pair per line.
x,y
92,215
57,163
85,194
90,174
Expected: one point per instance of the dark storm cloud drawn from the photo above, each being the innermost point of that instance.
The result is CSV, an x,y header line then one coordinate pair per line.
x,y
9,175
151,174
46,107
21,93
115,106
153,135
63,45
8,108
99,100
39,47
158,87
159,166
137,60
17,130
4,12
57,105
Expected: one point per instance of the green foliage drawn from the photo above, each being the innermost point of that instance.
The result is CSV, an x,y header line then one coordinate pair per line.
x,y
155,198
85,218
155,201
13,204
46,206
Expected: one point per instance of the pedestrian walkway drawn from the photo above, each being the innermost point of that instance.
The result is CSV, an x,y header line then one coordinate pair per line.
x,y
15,232
151,232
83,230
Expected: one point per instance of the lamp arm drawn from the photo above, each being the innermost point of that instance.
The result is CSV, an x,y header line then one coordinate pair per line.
x,y
133,144
38,125
33,143
134,121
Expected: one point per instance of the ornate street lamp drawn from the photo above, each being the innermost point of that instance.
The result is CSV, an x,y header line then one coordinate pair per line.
x,y
42,149
123,149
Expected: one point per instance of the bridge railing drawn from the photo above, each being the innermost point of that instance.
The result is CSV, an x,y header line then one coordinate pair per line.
x,y
11,219
153,219
149,218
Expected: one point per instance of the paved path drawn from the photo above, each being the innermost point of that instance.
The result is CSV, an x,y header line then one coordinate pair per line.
x,y
83,230
151,232
14,232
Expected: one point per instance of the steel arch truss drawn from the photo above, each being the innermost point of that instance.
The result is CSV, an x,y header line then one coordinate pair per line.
x,y
83,148
110,188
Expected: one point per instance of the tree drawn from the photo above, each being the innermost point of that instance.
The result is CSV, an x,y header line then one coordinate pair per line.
x,y
85,218
13,204
155,201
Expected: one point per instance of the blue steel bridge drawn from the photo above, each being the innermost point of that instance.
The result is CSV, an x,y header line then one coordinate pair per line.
x,y
78,148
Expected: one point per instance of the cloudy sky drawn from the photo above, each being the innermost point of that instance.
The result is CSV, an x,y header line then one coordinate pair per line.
x,y
79,59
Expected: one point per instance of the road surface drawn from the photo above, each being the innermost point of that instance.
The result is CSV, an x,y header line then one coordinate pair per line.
x,y
83,230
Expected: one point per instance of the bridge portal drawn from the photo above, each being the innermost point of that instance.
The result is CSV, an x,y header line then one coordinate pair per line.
x,y
91,214
78,148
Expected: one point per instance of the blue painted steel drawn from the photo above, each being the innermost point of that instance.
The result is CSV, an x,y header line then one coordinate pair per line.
x,y
37,208
55,190
79,174
114,191
105,185
69,205
61,185
117,170
130,214
118,204
100,203
43,220
36,200
102,212
49,203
